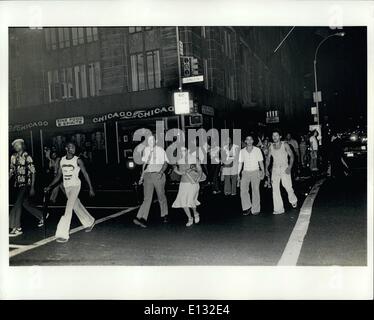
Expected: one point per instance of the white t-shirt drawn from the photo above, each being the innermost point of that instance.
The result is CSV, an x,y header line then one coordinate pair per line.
x,y
313,143
251,159
155,158
70,171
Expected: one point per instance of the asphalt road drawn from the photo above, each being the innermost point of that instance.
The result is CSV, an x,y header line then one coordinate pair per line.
x,y
337,233
223,237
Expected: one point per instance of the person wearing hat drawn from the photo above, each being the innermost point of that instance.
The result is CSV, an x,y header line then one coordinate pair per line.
x,y
22,169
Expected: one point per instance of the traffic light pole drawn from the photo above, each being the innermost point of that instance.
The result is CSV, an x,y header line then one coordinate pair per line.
x,y
316,89
179,73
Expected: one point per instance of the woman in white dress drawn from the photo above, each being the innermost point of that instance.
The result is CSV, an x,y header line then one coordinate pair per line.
x,y
190,170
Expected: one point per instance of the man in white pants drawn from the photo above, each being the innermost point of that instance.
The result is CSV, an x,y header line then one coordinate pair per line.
x,y
281,172
252,159
70,166
153,178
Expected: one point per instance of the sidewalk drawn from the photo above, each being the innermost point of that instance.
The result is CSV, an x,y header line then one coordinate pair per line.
x,y
337,233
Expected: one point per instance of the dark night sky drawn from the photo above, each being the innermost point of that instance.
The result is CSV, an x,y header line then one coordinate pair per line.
x,y
342,72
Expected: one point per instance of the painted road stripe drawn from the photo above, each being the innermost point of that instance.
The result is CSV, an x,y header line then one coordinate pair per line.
x,y
16,246
295,242
43,242
88,207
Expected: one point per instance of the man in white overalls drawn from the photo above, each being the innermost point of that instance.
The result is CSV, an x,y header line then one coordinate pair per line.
x,y
70,166
281,172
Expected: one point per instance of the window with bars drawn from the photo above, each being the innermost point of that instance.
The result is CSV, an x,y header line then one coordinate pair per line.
x,y
229,52
153,69
53,38
47,38
92,34
80,35
16,87
77,35
145,71
137,72
66,80
94,78
80,78
54,86
63,38
136,29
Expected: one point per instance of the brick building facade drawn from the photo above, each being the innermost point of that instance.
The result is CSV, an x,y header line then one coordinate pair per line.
x,y
97,85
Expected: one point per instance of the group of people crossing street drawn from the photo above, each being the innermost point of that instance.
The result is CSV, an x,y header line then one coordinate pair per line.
x,y
231,166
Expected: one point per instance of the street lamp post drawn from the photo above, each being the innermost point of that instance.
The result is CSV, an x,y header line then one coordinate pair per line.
x,y
338,34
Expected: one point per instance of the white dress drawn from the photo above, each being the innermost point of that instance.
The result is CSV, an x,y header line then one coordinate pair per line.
x,y
188,192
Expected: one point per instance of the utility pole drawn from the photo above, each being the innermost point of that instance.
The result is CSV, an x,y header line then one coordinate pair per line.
x,y
179,73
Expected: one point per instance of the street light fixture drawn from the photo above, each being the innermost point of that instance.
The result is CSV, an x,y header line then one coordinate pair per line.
x,y
316,98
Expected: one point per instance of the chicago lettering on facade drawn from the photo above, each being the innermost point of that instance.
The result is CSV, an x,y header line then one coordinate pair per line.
x,y
21,127
122,115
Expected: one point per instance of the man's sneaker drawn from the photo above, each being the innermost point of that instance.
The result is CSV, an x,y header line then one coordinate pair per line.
x,y
62,240
246,212
41,221
15,232
278,212
256,213
89,229
294,205
139,223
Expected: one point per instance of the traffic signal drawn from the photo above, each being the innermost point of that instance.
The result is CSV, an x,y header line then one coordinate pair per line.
x,y
186,67
195,67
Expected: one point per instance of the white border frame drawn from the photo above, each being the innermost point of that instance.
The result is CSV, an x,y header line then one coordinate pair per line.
x,y
182,282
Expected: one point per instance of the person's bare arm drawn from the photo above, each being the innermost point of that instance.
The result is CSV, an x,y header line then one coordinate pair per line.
x,y
55,180
267,162
240,167
86,176
290,153
177,171
12,168
262,173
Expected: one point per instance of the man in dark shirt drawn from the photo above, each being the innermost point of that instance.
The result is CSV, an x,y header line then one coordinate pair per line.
x,y
22,169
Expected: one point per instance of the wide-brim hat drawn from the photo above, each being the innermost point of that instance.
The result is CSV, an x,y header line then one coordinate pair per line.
x,y
16,141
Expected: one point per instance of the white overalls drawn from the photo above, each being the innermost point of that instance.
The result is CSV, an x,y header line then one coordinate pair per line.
x,y
280,164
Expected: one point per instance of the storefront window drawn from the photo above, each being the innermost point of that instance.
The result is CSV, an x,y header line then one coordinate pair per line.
x,y
90,142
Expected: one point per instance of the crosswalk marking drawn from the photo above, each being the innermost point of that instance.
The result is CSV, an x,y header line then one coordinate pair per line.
x,y
43,242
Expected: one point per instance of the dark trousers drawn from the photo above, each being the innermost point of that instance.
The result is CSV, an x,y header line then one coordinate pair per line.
x,y
22,201
215,170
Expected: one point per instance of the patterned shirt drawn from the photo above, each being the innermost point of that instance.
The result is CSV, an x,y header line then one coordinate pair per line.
x,y
21,167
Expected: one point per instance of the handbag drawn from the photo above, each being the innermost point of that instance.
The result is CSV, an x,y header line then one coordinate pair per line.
x,y
175,177
195,175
